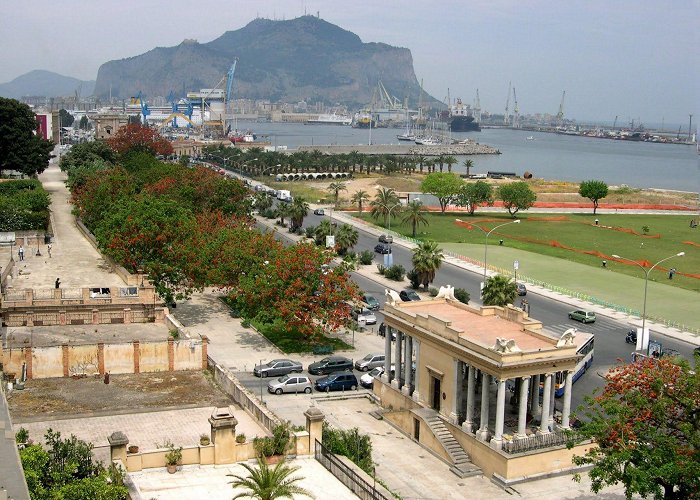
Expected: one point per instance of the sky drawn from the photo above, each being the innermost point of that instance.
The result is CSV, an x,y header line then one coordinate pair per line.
x,y
628,58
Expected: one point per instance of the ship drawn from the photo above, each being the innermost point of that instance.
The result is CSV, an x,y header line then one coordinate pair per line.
x,y
363,119
330,119
461,119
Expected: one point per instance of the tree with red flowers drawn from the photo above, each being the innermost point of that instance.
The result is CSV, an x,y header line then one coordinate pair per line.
x,y
646,424
136,137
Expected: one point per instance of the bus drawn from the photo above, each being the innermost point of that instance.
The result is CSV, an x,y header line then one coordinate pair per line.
x,y
584,348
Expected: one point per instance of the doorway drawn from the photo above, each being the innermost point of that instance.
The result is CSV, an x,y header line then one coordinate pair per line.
x,y
437,392
416,429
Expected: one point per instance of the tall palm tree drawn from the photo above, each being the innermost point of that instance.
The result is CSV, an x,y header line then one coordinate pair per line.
x,y
335,188
345,238
427,259
383,203
298,210
468,164
268,483
283,210
360,198
262,201
322,230
420,160
450,160
440,160
499,290
413,215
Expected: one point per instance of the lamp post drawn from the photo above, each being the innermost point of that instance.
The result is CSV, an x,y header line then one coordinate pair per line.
x,y
646,283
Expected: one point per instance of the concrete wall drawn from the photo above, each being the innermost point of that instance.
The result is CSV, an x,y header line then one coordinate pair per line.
x,y
404,420
119,358
46,362
154,357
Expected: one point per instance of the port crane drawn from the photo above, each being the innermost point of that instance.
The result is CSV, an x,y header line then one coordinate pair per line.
x,y
615,123
141,101
516,110
506,116
560,114
229,87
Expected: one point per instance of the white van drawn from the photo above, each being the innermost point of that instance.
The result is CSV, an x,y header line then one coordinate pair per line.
x,y
284,195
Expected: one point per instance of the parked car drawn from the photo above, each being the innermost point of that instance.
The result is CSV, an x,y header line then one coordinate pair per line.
x,y
371,301
522,290
383,248
631,337
386,238
409,295
319,211
277,367
372,360
382,331
582,316
329,365
337,382
367,379
290,383
366,314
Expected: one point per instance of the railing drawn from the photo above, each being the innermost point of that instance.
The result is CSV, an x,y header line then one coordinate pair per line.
x,y
346,475
538,441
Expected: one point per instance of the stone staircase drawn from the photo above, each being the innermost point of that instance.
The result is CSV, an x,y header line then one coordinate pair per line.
x,y
461,464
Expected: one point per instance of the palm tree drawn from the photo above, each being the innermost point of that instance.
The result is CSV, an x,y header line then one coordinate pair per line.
x,y
420,160
283,210
468,164
322,230
440,160
336,188
361,197
346,237
450,160
413,214
427,259
384,202
262,201
266,483
298,210
499,290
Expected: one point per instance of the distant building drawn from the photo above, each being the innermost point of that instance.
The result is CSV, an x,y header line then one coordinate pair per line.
x,y
107,124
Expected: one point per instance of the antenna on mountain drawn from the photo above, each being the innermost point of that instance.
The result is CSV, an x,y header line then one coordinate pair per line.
x,y
318,14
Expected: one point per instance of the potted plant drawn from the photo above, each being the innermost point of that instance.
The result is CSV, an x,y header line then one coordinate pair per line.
x,y
273,448
204,439
22,437
240,438
173,457
132,449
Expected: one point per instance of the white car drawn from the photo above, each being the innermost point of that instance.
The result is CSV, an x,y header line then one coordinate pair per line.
x,y
369,316
367,379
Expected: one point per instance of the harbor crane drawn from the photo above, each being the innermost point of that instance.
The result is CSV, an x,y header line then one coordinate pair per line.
x,y
615,123
229,86
560,114
506,116
141,101
516,111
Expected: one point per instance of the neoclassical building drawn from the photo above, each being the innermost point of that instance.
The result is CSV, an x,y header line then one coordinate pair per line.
x,y
478,386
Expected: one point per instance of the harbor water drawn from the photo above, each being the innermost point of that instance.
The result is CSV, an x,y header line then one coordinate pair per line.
x,y
548,156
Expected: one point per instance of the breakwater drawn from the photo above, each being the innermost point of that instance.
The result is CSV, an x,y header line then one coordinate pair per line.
x,y
469,148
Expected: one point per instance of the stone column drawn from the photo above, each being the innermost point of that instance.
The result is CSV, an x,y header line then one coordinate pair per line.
x,y
497,440
396,382
386,376
552,399
468,423
223,435
547,393
171,354
314,426
416,376
117,446
457,391
522,409
408,361
567,400
483,433
65,356
535,396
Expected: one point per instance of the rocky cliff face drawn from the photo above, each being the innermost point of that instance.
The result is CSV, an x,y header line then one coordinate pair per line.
x,y
305,58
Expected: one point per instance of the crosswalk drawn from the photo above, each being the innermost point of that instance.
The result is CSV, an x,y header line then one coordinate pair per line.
x,y
602,325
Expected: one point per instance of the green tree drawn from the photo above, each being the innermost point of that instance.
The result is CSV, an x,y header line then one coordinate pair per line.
x,y
473,194
444,186
268,483
335,188
413,215
384,204
516,196
427,259
468,165
594,191
20,148
283,211
450,160
298,211
360,198
499,290
84,123
646,424
262,201
85,153
345,238
323,229
65,118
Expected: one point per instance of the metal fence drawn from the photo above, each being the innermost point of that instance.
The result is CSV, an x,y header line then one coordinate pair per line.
x,y
537,442
346,475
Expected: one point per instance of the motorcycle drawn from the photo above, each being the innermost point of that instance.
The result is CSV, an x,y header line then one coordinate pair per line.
x,y
631,337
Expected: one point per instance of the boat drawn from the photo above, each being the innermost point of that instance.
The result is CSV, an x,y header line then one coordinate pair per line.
x,y
236,137
363,120
461,119
330,119
406,137
529,138
427,141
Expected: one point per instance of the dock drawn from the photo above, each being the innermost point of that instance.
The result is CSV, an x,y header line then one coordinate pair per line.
x,y
470,148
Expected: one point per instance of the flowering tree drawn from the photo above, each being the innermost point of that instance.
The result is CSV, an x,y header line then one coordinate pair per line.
x,y
136,137
646,423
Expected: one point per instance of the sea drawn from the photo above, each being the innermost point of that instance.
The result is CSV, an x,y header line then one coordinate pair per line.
x,y
546,156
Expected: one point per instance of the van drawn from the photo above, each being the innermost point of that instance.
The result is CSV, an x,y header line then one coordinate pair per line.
x,y
284,195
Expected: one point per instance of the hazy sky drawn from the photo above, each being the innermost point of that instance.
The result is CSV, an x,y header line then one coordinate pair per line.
x,y
632,58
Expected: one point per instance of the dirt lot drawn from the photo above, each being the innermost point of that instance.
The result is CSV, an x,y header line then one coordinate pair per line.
x,y
61,397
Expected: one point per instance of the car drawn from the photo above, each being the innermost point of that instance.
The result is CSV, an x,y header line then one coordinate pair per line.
x,y
409,295
367,380
329,365
521,289
277,367
631,337
371,301
290,383
319,211
582,316
382,331
337,382
382,248
364,313
372,360
386,238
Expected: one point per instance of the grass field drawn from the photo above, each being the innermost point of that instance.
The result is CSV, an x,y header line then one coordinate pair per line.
x,y
622,235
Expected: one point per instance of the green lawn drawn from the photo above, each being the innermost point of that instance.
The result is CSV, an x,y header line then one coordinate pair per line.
x,y
536,233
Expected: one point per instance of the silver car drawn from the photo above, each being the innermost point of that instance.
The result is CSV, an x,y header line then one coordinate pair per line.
x,y
290,383
370,361
368,316
277,367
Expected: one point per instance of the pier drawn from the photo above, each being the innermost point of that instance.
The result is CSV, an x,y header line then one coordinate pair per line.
x,y
470,148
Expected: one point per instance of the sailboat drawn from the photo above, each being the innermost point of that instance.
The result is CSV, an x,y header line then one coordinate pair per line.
x,y
408,135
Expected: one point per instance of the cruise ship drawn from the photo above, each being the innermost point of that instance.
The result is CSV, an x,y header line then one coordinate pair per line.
x,y
330,119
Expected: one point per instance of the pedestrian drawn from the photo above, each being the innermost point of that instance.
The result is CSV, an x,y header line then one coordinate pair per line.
x,y
58,283
20,252
605,263
48,248
596,222
671,272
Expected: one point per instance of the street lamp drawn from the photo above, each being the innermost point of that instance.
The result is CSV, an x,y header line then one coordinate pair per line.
x,y
646,283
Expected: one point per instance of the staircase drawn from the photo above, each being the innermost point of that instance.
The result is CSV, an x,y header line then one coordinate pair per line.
x,y
461,464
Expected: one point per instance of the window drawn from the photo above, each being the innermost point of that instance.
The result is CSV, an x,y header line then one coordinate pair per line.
x,y
130,291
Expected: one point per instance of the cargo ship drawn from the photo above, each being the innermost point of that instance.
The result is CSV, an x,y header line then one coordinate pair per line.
x,y
461,118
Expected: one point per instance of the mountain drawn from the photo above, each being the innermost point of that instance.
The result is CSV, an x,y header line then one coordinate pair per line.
x,y
303,58
45,83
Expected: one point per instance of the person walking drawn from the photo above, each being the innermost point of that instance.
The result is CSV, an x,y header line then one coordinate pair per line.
x,y
20,252
48,249
58,283
671,272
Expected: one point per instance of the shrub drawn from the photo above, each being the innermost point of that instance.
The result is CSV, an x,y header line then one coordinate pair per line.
x,y
245,323
366,257
269,213
351,444
174,455
433,291
240,438
462,295
278,444
414,278
645,229
396,272
204,439
22,435
381,269
310,231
